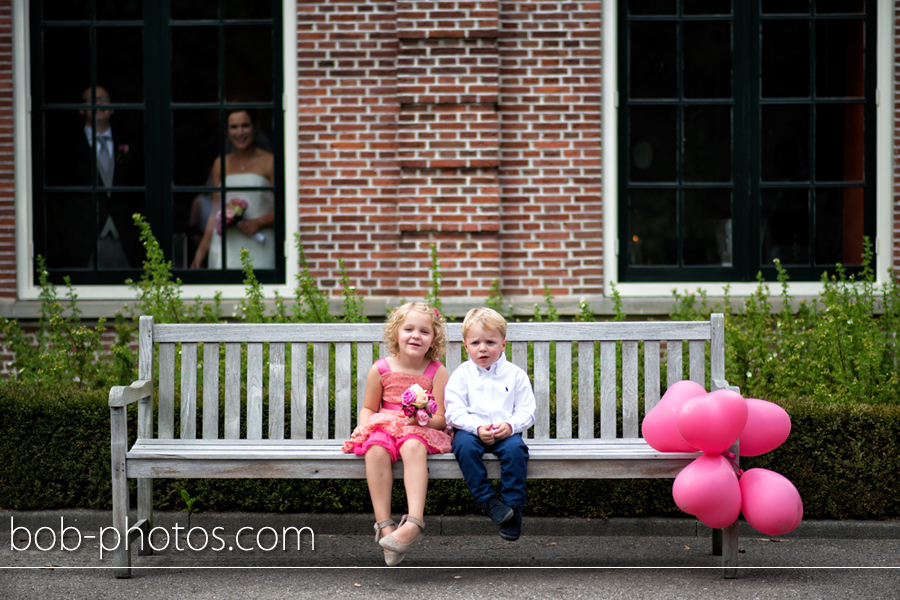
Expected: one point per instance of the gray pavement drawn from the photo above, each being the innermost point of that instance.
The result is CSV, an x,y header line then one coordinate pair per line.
x,y
254,555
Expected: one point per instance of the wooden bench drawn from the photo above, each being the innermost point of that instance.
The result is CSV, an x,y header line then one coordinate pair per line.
x,y
213,445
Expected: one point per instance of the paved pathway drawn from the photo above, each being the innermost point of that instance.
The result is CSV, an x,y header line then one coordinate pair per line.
x,y
460,558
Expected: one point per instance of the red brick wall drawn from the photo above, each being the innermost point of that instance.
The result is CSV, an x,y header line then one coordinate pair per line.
x,y
473,126
7,158
550,151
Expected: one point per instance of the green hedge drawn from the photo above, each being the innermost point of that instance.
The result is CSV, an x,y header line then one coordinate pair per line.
x,y
844,460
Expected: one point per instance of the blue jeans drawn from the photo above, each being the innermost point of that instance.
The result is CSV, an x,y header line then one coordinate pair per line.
x,y
513,455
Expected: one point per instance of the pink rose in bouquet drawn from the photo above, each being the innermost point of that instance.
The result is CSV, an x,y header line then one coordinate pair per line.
x,y
234,212
419,403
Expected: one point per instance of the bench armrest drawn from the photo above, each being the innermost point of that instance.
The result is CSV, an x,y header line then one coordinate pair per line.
x,y
722,384
123,395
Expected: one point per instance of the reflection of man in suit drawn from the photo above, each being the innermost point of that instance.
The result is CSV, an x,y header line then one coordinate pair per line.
x,y
81,226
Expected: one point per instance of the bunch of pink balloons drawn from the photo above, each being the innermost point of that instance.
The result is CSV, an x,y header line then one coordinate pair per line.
x,y
712,488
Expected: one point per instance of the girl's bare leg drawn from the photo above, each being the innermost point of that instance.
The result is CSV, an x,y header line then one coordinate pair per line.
x,y
380,481
415,480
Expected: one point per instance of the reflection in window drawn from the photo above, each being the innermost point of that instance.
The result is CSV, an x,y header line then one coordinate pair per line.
x,y
109,136
760,144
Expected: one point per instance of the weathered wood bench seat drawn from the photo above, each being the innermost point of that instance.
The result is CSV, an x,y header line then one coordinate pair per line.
x,y
309,377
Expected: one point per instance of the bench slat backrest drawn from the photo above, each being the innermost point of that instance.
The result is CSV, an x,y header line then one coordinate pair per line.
x,y
314,375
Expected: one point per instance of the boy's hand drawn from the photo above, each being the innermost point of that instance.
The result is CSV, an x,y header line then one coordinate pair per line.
x,y
501,431
486,434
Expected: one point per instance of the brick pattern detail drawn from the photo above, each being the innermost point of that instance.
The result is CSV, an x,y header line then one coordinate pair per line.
x,y
348,169
7,157
458,70
448,142
444,200
550,169
470,125
448,136
447,19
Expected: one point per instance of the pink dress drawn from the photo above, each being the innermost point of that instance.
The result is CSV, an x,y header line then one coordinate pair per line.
x,y
388,427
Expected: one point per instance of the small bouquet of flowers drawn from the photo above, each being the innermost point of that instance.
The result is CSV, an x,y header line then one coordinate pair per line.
x,y
419,403
234,212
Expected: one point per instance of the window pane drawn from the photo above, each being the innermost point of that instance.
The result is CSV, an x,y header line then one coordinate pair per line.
x,y
840,6
839,226
86,231
128,143
707,59
190,214
653,146
785,143
652,7
118,244
241,9
120,10
840,69
70,230
654,239
248,64
67,63
65,10
707,227
785,6
840,147
784,226
195,64
63,139
195,145
707,7
653,66
195,9
69,156
785,59
707,143
120,63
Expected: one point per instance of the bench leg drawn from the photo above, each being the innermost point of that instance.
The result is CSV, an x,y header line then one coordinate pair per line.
x,y
118,447
145,513
725,544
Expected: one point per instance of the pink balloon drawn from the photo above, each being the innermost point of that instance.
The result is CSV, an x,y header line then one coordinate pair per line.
x,y
768,425
708,488
770,502
658,427
712,422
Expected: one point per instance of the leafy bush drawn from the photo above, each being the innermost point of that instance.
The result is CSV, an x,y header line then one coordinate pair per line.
x,y
840,347
62,350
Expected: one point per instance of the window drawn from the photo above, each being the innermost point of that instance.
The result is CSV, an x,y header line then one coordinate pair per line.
x,y
191,92
738,148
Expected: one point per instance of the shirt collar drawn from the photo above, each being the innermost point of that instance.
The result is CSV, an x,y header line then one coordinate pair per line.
x,y
495,368
88,131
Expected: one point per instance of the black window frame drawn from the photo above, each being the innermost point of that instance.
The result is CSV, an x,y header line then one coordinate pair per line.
x,y
746,183
159,109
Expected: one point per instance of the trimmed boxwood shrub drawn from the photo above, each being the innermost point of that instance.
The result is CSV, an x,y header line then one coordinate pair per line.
x,y
55,448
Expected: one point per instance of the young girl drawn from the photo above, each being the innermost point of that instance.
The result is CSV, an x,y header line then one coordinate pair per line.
x,y
416,335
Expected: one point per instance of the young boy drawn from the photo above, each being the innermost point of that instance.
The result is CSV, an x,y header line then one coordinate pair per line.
x,y
489,402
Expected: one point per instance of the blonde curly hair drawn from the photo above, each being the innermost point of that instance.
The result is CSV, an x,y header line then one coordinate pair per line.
x,y
398,315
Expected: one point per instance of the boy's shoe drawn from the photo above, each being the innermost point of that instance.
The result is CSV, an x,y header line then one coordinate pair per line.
x,y
511,531
499,513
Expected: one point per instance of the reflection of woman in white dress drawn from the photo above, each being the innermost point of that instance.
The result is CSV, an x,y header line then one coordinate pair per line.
x,y
248,166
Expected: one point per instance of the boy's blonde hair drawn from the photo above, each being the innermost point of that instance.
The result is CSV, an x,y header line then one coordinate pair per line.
x,y
398,315
486,318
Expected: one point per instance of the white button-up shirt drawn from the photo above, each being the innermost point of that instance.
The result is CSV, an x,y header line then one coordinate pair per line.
x,y
101,140
476,396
